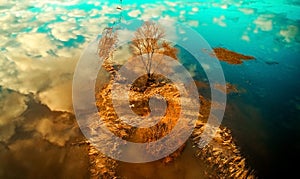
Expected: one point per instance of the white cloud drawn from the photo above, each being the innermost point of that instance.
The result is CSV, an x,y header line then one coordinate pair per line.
x,y
247,11
46,17
4,40
63,30
134,13
153,12
77,13
264,22
224,6
64,3
168,25
57,130
59,97
32,75
220,5
68,52
12,105
172,4
125,35
195,9
205,66
289,33
108,10
220,21
35,43
245,37
49,77
192,70
193,23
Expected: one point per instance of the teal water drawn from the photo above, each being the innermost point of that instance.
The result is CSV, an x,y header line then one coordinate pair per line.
x,y
265,119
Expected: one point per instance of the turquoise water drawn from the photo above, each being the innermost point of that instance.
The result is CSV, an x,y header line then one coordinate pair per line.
x,y
265,119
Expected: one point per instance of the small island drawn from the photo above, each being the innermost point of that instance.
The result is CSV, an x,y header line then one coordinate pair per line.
x,y
221,155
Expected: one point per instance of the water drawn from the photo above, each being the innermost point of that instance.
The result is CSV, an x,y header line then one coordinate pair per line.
x,y
41,42
185,166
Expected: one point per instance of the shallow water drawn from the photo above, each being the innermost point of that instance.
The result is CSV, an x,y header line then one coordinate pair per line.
x,y
186,165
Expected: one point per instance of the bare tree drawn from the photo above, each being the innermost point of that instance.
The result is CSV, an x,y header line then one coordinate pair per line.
x,y
106,47
147,41
107,42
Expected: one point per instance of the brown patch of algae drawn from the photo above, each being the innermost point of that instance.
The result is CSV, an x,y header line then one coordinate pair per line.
x,y
230,88
230,57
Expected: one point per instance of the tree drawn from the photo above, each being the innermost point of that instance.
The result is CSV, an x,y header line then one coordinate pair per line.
x,y
147,41
106,47
107,42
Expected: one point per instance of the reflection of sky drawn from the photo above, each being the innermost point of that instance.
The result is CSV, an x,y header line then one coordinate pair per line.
x,y
40,43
